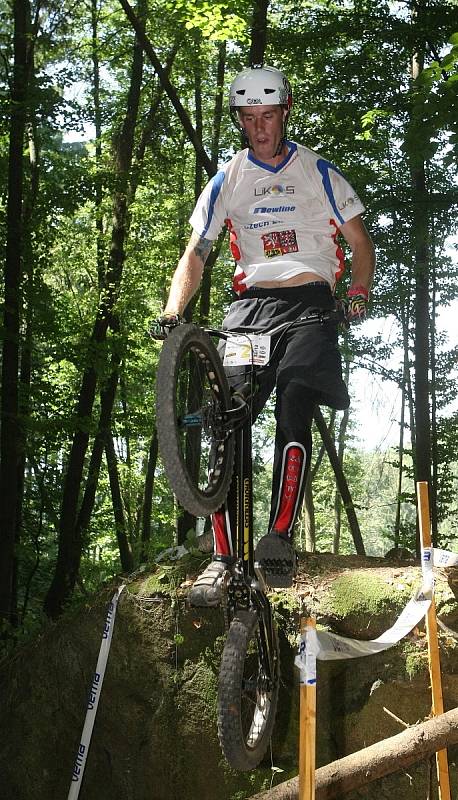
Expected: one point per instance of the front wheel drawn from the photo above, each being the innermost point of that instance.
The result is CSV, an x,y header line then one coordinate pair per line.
x,y
192,396
249,682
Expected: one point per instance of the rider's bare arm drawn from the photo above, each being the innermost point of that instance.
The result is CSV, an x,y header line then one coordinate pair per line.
x,y
363,253
188,274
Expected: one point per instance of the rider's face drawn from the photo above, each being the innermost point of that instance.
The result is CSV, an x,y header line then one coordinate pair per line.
x,y
263,126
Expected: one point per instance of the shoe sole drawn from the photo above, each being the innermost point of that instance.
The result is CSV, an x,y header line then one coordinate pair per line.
x,y
277,559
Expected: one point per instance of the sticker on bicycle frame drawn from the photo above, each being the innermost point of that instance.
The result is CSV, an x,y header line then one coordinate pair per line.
x,y
243,349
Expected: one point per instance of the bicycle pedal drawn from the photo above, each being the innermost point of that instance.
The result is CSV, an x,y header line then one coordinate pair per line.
x,y
277,559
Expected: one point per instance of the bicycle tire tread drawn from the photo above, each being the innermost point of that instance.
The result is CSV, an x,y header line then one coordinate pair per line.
x,y
186,491
230,732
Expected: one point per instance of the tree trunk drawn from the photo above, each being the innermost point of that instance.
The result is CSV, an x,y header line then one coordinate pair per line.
x,y
10,425
219,104
383,758
341,481
308,512
125,551
422,286
148,497
422,348
434,443
258,32
98,142
340,455
69,550
128,501
107,398
308,516
25,371
397,522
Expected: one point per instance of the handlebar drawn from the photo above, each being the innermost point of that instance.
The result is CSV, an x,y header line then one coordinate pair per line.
x,y
312,316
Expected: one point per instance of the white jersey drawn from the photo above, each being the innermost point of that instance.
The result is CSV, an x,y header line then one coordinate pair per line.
x,y
282,220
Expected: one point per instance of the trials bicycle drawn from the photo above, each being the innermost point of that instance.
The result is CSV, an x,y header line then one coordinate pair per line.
x,y
204,433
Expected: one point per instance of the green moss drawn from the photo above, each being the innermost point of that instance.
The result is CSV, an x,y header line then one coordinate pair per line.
x,y
416,658
167,576
359,593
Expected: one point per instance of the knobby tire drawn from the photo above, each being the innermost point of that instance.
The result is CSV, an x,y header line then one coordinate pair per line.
x,y
192,395
247,698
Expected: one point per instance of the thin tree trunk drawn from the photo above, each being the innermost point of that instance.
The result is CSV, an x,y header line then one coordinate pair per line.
x,y
10,426
36,535
69,551
25,371
125,551
198,169
422,307
308,516
107,398
148,497
219,104
308,509
258,32
341,481
340,455
126,494
98,142
434,453
397,522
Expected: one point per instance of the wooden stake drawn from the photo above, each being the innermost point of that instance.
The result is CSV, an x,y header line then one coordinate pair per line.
x,y
307,730
433,645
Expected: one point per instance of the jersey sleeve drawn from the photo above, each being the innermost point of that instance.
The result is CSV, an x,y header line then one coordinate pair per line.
x,y
208,217
338,194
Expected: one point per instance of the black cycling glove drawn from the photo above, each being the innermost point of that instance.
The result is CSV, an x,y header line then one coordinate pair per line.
x,y
163,325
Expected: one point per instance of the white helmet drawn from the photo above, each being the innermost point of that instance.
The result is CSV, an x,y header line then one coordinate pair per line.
x,y
260,86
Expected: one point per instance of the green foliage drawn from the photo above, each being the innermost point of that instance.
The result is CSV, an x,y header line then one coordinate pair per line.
x,y
215,21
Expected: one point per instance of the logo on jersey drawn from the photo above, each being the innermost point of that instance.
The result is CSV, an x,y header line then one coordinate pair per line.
x,y
350,201
272,209
278,243
278,190
265,223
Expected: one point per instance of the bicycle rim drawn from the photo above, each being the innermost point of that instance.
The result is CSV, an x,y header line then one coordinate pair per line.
x,y
192,396
247,693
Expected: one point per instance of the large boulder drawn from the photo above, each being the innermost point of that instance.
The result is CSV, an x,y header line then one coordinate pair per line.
x,y
155,734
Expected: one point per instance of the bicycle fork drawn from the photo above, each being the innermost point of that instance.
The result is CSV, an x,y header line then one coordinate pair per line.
x,y
251,579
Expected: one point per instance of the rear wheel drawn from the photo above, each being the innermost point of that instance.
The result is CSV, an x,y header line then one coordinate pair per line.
x,y
192,395
248,691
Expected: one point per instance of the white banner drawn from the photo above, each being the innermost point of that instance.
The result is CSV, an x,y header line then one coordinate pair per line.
x,y
444,558
94,696
308,650
331,646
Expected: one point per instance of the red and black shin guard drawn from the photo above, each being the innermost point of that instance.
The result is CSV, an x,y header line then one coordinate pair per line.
x,y
288,485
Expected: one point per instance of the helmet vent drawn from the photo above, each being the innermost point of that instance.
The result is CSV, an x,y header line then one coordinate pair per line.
x,y
270,91
241,91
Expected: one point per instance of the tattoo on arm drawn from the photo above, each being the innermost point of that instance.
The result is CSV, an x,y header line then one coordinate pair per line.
x,y
202,247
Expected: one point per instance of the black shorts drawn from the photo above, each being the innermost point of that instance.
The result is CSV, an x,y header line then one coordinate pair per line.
x,y
307,355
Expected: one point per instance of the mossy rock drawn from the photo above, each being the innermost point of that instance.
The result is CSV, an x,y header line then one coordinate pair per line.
x,y
363,605
155,734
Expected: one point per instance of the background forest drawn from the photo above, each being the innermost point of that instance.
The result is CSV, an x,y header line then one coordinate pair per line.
x,y
112,117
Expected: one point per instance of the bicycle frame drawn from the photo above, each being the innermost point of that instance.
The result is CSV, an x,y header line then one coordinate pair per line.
x,y
249,677
248,585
